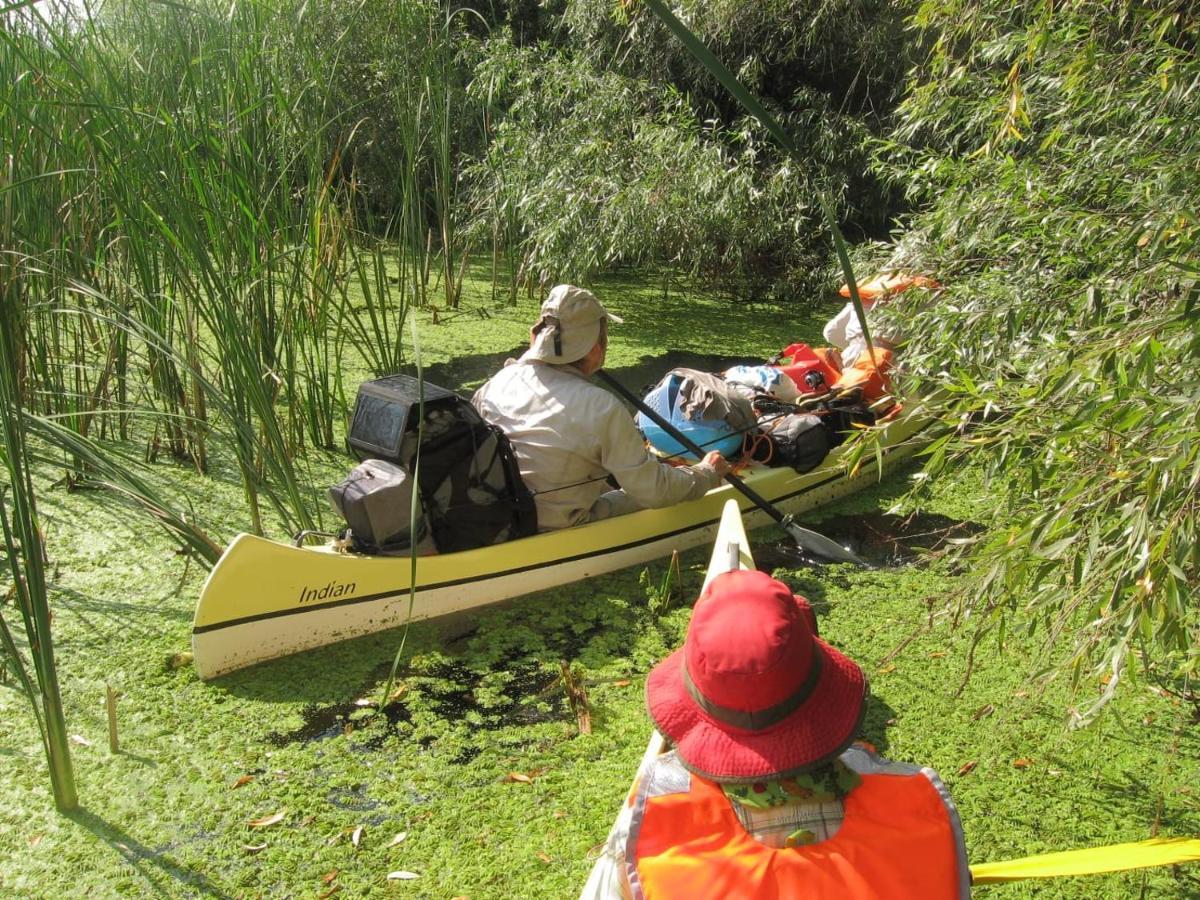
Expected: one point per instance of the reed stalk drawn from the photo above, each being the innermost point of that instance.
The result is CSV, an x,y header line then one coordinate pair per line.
x,y
26,563
184,210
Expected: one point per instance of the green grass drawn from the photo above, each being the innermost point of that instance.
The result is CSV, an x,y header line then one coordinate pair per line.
x,y
167,817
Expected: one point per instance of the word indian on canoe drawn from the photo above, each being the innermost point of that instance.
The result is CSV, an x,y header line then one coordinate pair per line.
x,y
331,591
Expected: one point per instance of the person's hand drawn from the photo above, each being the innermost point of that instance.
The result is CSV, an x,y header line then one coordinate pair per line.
x,y
715,461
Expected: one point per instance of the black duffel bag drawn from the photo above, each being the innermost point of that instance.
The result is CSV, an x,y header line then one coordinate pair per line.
x,y
470,488
799,440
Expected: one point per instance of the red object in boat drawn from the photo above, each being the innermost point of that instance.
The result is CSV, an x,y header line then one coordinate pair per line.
x,y
810,369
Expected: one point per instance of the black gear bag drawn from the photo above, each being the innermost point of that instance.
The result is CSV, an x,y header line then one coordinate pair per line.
x,y
469,484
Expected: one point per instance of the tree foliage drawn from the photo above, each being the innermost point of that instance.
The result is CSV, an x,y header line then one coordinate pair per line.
x,y
597,169
612,145
1055,149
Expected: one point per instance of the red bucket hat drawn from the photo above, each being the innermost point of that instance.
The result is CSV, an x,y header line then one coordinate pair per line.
x,y
753,694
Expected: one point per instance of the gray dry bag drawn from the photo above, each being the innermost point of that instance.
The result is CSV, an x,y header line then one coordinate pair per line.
x,y
376,499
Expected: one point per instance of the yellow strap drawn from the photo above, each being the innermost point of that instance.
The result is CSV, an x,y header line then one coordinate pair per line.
x,y
1091,861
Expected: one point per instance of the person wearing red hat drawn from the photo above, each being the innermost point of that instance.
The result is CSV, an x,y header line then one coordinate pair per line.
x,y
765,794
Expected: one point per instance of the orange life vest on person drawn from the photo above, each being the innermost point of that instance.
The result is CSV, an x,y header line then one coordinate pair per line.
x,y
869,373
900,838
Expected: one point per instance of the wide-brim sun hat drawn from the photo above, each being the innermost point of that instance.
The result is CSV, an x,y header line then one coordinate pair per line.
x,y
754,694
569,325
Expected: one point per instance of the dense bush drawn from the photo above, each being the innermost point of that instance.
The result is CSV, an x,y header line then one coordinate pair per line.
x,y
1056,150
854,53
612,145
591,169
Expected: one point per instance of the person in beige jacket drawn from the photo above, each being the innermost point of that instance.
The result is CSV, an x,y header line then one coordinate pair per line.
x,y
570,435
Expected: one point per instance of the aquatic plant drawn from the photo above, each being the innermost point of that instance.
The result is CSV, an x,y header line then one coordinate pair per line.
x,y
26,563
196,255
661,596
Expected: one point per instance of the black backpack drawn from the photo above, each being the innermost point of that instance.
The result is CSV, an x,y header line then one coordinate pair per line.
x,y
471,487
469,484
799,440
802,436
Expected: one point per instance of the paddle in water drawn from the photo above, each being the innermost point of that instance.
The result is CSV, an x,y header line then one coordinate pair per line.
x,y
815,543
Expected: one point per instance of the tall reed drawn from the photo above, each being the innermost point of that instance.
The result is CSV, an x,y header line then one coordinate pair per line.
x,y
182,226
189,201
26,561
194,171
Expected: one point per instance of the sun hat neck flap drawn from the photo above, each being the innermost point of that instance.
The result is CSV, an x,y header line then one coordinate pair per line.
x,y
568,327
753,694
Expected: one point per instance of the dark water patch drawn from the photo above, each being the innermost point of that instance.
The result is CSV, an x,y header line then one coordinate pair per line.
x,y
882,539
459,642
353,798
465,372
540,699
531,695
786,555
466,755
570,644
324,722
320,723
446,689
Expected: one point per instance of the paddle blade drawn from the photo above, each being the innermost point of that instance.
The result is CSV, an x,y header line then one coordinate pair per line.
x,y
823,547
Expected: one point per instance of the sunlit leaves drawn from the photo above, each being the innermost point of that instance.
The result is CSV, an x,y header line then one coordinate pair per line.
x,y
1071,249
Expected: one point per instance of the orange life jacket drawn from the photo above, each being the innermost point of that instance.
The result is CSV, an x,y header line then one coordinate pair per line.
x,y
900,838
869,373
888,283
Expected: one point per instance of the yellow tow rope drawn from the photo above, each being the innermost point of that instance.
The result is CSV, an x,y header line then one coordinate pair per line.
x,y
1091,861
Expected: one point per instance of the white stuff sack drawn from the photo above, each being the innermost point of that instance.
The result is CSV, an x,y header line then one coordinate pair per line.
x,y
767,379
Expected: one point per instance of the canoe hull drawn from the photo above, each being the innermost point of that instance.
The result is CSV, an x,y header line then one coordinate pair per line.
x,y
264,599
731,550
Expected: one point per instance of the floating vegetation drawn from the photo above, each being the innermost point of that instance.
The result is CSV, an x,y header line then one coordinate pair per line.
x,y
447,692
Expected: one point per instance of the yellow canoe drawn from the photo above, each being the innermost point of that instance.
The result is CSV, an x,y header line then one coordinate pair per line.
x,y
267,599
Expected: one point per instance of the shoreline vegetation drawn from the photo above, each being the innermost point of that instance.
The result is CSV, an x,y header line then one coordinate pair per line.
x,y
215,221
